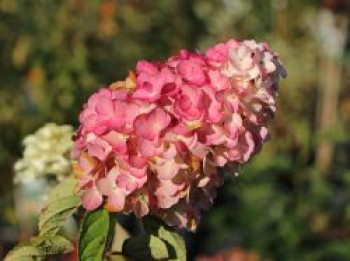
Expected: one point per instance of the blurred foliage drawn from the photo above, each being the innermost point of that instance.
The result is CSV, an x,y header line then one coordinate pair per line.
x,y
55,53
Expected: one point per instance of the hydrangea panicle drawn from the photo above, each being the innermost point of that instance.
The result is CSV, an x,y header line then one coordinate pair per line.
x,y
46,153
153,144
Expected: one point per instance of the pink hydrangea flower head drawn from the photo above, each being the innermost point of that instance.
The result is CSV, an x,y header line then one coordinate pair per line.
x,y
153,143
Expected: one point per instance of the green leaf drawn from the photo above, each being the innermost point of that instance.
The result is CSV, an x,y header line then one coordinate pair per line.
x,y
146,247
60,205
178,250
24,253
93,235
62,190
39,248
54,216
176,244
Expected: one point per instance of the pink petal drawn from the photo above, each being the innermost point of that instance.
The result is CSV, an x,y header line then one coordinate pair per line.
x,y
167,202
192,72
91,199
117,141
250,145
128,182
214,135
146,92
107,184
131,112
105,107
150,126
150,148
137,161
200,150
170,151
88,119
116,200
97,147
220,160
189,140
140,208
234,125
167,193
217,54
87,163
218,81
137,171
147,67
120,94
233,102
168,170
214,113
150,86
166,76
117,121
85,182
167,188
189,104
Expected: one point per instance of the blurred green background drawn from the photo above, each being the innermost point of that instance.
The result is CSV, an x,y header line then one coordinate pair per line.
x,y
292,202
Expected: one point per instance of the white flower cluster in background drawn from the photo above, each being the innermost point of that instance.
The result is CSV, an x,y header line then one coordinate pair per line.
x,y
46,152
